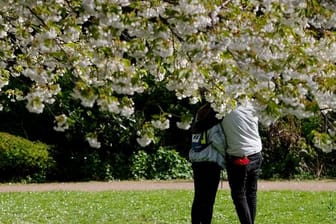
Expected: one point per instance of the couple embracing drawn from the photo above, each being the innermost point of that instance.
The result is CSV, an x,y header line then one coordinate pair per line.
x,y
232,143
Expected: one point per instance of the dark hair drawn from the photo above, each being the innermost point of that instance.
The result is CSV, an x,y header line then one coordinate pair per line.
x,y
205,119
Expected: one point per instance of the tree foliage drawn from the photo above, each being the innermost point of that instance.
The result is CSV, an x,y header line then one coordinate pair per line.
x,y
78,57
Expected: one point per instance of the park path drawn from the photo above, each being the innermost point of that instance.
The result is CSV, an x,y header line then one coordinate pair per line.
x,y
93,186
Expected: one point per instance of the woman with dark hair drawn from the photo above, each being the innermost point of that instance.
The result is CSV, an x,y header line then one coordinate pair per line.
x,y
207,157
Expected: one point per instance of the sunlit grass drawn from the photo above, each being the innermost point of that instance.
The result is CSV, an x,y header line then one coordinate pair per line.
x,y
160,206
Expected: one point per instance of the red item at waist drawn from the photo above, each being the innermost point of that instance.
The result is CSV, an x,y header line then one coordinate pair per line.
x,y
241,161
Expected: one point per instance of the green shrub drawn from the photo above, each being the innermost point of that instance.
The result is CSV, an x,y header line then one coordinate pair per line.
x,y
139,165
23,160
288,152
164,164
168,164
285,152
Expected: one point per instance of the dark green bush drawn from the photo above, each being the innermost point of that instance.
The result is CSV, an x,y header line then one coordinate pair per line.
x,y
288,153
22,160
164,164
284,150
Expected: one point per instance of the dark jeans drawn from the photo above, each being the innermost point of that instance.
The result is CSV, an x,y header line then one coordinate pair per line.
x,y
206,180
243,181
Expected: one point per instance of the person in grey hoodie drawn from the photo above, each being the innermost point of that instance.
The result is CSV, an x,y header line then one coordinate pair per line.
x,y
207,158
243,160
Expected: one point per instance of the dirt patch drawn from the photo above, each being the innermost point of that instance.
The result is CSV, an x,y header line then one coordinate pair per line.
x,y
323,185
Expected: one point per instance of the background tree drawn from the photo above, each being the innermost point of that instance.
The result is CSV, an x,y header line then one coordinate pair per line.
x,y
89,63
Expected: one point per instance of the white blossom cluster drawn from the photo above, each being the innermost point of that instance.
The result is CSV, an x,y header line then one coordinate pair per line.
x,y
93,141
161,124
61,123
281,53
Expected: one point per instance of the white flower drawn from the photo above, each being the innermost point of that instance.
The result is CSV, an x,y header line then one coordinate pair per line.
x,y
126,111
35,76
124,3
93,142
35,103
144,141
161,124
51,34
86,101
183,125
3,33
3,82
62,123
110,104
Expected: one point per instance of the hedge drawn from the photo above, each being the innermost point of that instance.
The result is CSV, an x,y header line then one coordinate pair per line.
x,y
22,160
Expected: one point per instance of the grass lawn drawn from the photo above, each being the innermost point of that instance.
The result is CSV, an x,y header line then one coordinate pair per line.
x,y
160,206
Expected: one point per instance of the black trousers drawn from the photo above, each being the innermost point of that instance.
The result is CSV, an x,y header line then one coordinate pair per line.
x,y
243,181
206,180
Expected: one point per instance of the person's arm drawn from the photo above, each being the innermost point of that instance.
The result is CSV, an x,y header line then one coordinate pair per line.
x,y
217,139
